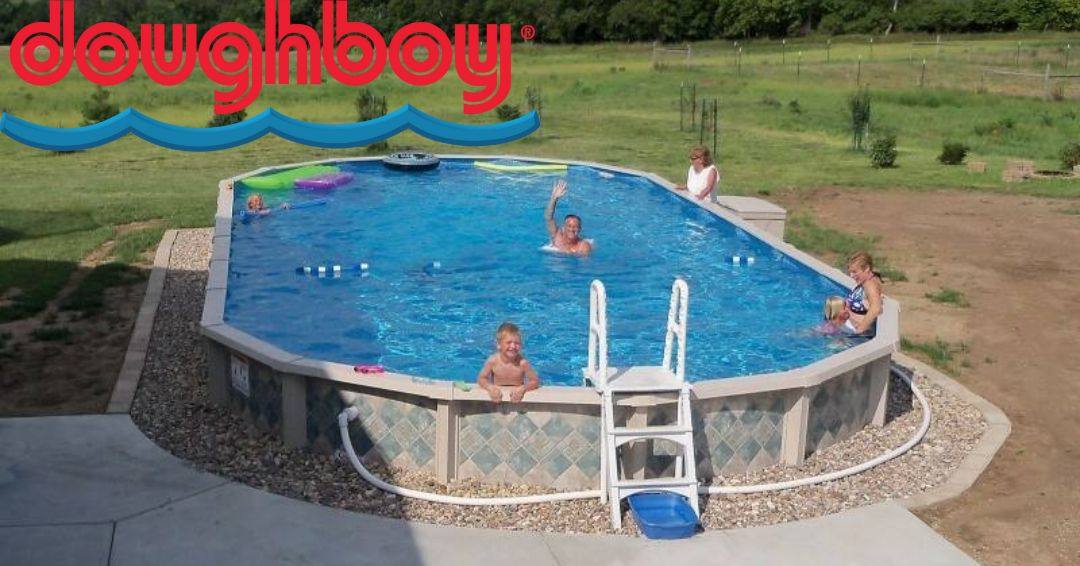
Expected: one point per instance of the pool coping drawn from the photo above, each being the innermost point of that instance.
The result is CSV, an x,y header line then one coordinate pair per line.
x,y
123,393
213,325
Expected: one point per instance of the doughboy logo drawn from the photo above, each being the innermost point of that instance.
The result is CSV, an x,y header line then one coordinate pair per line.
x,y
234,57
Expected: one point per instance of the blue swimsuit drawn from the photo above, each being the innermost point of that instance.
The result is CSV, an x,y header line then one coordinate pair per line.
x,y
856,300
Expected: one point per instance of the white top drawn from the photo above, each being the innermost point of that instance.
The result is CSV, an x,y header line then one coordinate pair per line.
x,y
697,183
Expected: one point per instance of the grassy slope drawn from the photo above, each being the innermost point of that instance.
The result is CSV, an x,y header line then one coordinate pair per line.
x,y
601,102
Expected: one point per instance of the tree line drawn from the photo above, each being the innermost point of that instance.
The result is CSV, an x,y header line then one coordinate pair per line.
x,y
580,21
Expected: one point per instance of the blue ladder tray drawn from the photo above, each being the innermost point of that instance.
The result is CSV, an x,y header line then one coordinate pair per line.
x,y
663,515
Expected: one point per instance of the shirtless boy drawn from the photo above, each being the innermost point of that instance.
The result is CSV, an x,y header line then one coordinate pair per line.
x,y
506,369
568,238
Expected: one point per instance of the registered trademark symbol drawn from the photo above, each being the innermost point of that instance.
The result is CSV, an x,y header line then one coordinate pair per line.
x,y
527,32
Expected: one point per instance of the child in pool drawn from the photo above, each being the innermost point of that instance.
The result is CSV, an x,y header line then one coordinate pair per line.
x,y
506,368
256,206
837,318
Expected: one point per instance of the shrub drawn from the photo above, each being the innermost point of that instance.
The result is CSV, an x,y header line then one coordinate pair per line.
x,y
368,107
98,108
794,106
534,100
883,150
770,101
1070,155
227,119
507,112
859,105
953,153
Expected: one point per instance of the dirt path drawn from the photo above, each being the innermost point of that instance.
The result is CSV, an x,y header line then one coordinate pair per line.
x,y
1017,261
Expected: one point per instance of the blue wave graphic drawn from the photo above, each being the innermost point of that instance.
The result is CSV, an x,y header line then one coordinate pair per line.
x,y
270,121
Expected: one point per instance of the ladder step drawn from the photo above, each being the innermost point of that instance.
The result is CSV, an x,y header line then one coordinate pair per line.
x,y
652,431
658,483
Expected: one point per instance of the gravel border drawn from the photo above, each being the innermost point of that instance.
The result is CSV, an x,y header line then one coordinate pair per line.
x,y
173,409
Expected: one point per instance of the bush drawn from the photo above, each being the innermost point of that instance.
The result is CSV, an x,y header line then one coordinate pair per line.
x,y
227,119
859,105
368,107
1070,155
883,150
953,153
534,100
98,108
507,112
794,106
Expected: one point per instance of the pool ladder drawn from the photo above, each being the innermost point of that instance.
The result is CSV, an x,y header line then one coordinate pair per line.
x,y
669,377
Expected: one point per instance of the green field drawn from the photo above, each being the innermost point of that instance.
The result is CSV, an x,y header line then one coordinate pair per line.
x,y
610,103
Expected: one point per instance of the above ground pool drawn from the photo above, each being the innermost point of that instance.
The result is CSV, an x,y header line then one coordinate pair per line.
x,y
429,264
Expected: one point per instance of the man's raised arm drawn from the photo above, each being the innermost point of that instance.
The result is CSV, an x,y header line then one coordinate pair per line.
x,y
557,191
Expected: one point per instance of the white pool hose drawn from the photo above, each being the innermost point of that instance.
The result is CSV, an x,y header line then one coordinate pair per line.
x,y
352,413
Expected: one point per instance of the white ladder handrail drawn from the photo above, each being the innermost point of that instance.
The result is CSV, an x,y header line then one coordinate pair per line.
x,y
676,329
598,360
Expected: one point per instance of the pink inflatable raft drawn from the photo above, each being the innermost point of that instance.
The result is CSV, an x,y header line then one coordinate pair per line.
x,y
324,181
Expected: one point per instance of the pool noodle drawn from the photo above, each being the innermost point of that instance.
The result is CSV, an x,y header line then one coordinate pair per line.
x,y
536,168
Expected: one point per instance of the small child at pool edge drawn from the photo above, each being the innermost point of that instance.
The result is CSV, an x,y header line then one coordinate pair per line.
x,y
836,318
507,368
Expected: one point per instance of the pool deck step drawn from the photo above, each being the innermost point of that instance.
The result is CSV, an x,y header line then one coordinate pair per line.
x,y
674,433
645,379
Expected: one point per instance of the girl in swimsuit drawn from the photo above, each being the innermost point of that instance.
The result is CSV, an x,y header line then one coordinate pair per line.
x,y
837,318
865,299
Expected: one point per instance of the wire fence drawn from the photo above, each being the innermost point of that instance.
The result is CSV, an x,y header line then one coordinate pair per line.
x,y
1045,68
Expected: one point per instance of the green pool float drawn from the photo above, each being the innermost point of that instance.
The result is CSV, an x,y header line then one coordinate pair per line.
x,y
285,179
532,168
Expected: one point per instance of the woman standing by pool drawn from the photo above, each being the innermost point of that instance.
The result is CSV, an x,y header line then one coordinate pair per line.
x,y
865,300
703,176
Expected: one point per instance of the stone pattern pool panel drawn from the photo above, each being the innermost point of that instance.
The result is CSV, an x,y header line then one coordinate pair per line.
x,y
531,445
262,405
397,432
838,409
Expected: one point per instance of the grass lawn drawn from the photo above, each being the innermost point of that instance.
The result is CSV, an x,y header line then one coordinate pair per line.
x,y
605,102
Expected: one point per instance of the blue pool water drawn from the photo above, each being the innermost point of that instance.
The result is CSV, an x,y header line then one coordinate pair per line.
x,y
455,251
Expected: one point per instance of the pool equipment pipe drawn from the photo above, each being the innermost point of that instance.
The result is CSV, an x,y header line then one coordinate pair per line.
x,y
351,413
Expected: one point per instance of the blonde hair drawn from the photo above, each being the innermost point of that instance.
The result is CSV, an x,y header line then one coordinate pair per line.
x,y
702,152
253,199
834,305
861,259
507,328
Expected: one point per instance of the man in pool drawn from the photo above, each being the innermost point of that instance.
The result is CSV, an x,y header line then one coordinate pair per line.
x,y
568,238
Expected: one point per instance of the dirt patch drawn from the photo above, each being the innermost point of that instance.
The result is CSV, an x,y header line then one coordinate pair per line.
x,y
1017,261
65,362
71,370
